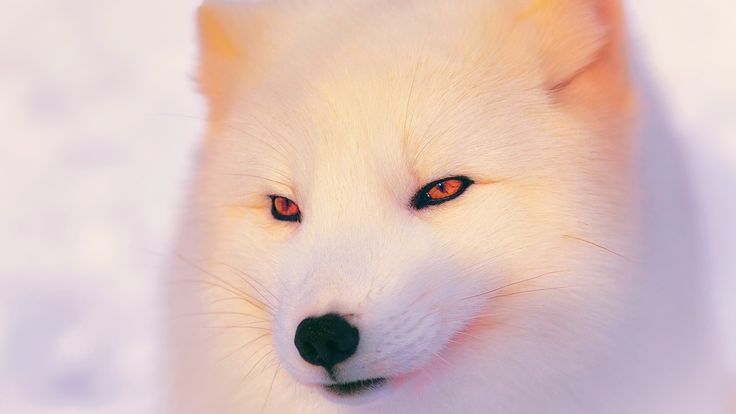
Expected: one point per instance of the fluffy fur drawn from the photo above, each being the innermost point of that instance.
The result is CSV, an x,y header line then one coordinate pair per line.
x,y
503,300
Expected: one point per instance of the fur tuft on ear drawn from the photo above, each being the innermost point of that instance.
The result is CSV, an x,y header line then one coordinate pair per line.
x,y
240,41
581,50
229,35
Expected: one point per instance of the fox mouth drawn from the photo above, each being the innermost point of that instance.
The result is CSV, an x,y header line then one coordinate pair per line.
x,y
355,388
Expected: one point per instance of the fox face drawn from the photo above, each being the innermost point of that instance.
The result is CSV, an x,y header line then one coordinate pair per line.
x,y
397,202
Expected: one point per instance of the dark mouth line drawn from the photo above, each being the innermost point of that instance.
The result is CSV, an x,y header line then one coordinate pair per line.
x,y
355,387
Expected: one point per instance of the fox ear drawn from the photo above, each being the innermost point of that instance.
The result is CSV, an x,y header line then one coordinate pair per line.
x,y
232,48
581,49
240,41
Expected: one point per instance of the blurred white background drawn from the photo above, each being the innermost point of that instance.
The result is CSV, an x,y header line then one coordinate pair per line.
x,y
98,124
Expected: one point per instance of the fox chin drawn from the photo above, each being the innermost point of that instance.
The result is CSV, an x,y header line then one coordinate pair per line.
x,y
410,207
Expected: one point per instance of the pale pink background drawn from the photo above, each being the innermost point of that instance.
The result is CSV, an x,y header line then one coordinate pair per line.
x,y
98,125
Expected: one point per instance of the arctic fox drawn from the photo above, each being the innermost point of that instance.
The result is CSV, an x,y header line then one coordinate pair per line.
x,y
419,206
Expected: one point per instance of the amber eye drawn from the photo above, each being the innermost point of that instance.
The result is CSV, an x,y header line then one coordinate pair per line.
x,y
440,191
284,209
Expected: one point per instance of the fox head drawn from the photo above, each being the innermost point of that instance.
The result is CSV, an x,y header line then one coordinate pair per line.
x,y
398,196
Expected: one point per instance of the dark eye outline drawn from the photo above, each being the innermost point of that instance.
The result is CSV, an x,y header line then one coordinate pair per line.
x,y
422,199
278,216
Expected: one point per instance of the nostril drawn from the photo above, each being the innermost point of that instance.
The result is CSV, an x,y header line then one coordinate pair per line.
x,y
341,346
309,350
326,340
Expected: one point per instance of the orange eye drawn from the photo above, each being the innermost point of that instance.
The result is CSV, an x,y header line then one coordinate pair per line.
x,y
445,189
440,191
284,209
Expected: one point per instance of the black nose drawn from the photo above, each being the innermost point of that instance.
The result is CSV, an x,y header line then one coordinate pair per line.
x,y
326,340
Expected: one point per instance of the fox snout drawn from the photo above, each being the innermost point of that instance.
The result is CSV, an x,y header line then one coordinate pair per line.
x,y
326,340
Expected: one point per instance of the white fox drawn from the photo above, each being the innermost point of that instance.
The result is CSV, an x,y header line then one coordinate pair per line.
x,y
423,207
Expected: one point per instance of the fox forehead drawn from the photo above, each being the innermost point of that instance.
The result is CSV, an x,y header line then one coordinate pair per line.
x,y
396,100
392,119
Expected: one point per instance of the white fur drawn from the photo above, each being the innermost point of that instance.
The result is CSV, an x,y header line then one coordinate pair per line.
x,y
348,110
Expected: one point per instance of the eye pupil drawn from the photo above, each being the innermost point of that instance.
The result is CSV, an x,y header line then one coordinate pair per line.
x,y
284,209
440,191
